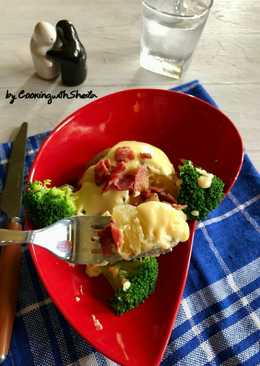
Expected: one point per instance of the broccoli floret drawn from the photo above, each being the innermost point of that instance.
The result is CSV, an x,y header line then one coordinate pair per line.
x,y
132,281
199,201
46,205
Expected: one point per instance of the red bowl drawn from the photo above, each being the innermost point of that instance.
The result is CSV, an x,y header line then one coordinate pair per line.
x,y
183,127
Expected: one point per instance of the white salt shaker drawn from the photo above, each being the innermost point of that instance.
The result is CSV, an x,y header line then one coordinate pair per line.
x,y
43,38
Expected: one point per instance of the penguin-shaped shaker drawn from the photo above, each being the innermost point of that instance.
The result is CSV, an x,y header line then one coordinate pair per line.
x,y
70,54
43,39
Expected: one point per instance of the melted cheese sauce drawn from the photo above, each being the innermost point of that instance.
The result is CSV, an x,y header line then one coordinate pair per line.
x,y
151,225
205,180
91,200
159,164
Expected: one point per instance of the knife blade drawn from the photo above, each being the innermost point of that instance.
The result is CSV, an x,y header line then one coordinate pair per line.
x,y
12,195
10,257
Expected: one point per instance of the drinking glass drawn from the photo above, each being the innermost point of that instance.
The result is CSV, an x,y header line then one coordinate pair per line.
x,y
171,31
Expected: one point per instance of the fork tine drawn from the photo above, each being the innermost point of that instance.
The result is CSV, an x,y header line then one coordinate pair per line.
x,y
101,222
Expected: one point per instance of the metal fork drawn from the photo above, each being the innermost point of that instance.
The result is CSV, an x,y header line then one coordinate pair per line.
x,y
74,239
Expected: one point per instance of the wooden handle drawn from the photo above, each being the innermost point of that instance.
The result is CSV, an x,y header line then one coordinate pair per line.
x,y
10,264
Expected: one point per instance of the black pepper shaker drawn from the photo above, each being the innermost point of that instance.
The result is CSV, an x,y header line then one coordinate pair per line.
x,y
69,52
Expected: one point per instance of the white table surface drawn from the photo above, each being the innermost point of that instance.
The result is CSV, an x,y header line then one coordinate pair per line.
x,y
227,60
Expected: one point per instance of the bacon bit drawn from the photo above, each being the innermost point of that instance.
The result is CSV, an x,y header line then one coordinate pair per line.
x,y
118,169
110,238
119,180
136,200
117,235
158,194
152,197
178,206
136,181
115,176
144,155
102,171
124,153
125,183
156,189
146,194
106,240
141,182
167,197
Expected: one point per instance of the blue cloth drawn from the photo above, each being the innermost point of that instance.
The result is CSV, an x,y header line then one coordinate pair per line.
x,y
218,321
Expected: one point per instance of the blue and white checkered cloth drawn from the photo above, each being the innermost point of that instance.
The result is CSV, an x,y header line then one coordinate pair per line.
x,y
219,318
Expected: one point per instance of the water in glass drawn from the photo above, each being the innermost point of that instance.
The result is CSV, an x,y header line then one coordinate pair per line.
x,y
171,30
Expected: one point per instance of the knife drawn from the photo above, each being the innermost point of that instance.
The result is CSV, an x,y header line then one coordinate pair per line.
x,y
10,257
